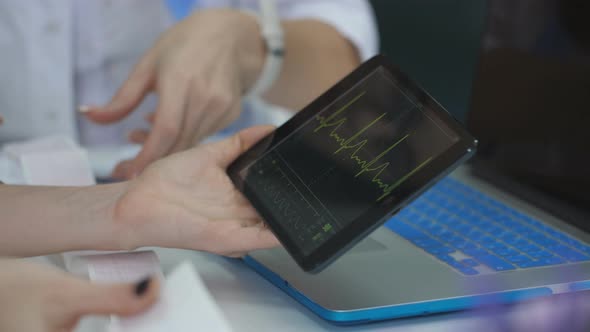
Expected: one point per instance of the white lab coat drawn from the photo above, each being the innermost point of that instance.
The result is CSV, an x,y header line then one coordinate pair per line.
x,y
56,54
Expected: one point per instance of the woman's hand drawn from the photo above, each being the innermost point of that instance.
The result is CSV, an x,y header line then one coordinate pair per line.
x,y
37,298
187,201
183,201
199,69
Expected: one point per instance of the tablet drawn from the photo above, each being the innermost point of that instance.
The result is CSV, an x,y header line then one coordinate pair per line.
x,y
348,161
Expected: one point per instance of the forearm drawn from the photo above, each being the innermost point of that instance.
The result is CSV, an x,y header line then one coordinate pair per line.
x,y
44,220
316,57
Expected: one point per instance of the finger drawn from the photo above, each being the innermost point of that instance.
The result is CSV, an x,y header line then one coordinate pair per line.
x,y
129,95
253,238
229,115
221,108
138,136
220,210
150,117
227,150
167,125
121,170
195,117
225,103
238,254
230,236
86,298
250,222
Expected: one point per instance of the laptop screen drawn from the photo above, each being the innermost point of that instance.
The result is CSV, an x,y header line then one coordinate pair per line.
x,y
531,97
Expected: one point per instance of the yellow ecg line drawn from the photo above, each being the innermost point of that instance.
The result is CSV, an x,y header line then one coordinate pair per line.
x,y
348,144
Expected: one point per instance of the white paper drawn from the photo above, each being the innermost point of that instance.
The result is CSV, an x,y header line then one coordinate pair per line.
x,y
43,144
185,304
76,262
112,268
57,168
123,267
103,159
10,170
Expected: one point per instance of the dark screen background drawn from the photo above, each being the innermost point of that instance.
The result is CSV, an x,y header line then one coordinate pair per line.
x,y
343,161
531,109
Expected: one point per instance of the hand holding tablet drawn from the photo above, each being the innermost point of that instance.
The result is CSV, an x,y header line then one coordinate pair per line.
x,y
348,161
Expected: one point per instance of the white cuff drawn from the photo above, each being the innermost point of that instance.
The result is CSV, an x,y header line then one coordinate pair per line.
x,y
272,32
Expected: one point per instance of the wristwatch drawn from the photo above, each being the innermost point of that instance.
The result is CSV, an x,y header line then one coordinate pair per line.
x,y
272,32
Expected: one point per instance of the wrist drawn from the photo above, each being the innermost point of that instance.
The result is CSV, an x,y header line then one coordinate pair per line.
x,y
104,231
250,49
46,220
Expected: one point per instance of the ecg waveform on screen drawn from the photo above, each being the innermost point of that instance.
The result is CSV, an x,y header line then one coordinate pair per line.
x,y
292,202
366,166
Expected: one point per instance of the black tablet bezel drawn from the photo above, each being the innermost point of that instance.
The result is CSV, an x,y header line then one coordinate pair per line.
x,y
441,165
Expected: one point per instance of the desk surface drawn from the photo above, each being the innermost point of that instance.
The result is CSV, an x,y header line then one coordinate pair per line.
x,y
250,303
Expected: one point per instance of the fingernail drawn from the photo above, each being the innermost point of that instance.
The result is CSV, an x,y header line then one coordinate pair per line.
x,y
85,108
142,286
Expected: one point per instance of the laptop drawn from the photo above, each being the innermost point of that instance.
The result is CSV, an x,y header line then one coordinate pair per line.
x,y
513,224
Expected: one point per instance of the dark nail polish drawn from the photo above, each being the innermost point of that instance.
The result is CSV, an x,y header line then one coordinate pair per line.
x,y
142,286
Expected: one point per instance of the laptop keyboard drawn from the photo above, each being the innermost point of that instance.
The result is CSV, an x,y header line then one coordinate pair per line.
x,y
476,234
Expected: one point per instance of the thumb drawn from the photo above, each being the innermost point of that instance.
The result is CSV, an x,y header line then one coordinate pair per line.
x,y
227,150
128,97
86,298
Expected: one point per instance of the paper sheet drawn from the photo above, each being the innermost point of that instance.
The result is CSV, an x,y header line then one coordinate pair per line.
x,y
10,170
123,267
59,168
185,304
43,144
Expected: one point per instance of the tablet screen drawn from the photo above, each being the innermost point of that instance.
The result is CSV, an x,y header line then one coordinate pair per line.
x,y
351,155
